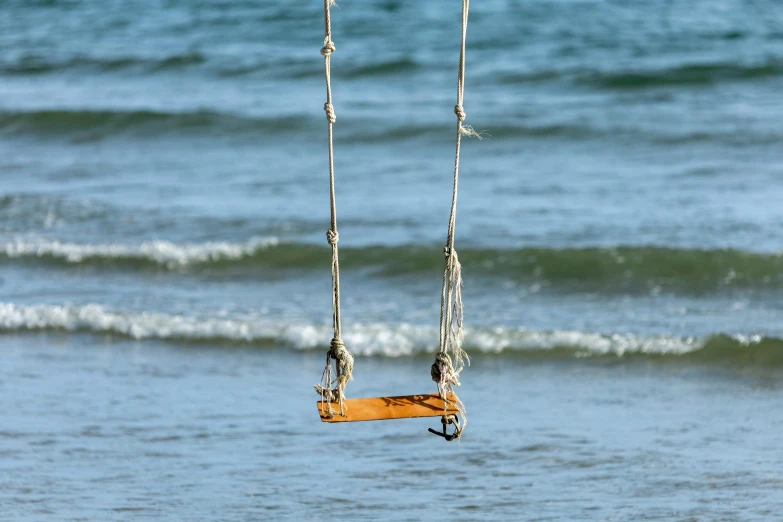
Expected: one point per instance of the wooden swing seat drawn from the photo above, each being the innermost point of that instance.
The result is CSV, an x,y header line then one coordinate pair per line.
x,y
387,408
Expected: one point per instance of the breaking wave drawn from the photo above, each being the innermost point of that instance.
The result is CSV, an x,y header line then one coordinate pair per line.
x,y
385,339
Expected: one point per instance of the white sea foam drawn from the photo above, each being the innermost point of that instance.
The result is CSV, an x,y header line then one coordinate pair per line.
x,y
363,339
164,253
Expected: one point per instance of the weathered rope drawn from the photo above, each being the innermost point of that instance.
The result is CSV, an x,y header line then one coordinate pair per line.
x,y
342,357
451,358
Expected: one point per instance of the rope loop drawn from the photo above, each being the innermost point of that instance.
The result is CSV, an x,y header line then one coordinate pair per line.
x,y
453,420
332,237
330,115
460,112
328,48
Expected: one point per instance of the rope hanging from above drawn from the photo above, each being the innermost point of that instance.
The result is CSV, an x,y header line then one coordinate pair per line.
x,y
451,358
343,366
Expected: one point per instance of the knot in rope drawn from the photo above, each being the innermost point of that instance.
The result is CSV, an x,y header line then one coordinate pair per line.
x,y
446,251
460,112
330,116
344,370
328,48
344,363
442,370
332,237
338,351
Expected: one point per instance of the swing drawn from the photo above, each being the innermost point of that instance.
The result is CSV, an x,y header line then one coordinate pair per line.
x,y
450,358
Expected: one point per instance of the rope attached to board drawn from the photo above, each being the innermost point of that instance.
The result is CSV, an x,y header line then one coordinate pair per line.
x,y
343,366
451,358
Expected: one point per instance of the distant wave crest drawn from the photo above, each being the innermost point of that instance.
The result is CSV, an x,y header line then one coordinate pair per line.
x,y
93,125
32,65
620,269
681,74
98,124
164,254
689,74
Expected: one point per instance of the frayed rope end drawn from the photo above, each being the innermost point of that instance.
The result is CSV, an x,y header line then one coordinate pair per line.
x,y
470,132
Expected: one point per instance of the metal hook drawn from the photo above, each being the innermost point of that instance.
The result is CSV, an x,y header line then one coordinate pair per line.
x,y
444,420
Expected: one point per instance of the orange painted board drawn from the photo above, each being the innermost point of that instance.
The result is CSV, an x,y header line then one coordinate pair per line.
x,y
387,408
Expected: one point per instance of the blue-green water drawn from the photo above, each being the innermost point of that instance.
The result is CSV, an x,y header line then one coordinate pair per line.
x,y
164,276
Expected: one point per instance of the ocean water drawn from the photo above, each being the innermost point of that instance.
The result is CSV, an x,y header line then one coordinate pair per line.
x,y
164,275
